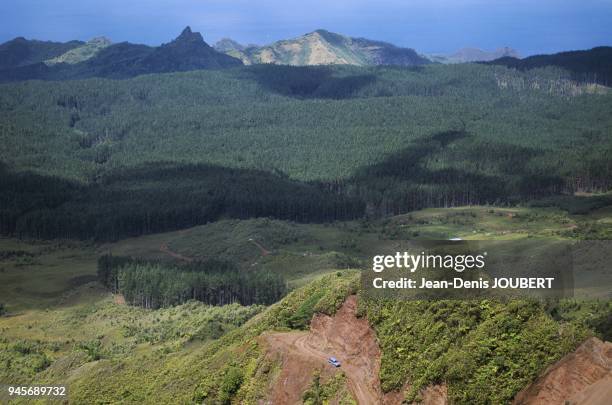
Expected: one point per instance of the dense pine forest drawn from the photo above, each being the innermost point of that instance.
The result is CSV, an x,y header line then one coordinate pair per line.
x,y
159,197
591,66
213,282
105,159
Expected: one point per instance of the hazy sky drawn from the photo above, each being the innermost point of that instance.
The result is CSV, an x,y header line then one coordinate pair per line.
x,y
430,26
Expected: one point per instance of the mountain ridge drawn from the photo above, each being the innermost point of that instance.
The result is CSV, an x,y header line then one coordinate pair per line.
x,y
186,52
227,44
23,59
592,65
19,52
471,54
322,47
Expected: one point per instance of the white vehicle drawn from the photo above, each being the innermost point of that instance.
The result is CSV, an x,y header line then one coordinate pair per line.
x,y
333,361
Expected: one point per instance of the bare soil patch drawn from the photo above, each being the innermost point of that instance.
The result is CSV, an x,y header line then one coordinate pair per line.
x,y
348,338
581,377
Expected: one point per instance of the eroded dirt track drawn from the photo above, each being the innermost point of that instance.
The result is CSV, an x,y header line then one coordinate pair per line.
x,y
165,249
582,377
344,336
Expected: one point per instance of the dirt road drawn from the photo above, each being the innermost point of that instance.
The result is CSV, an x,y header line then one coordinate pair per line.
x,y
344,336
165,249
302,345
263,250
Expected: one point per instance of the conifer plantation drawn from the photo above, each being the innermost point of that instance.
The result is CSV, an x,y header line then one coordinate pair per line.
x,y
104,159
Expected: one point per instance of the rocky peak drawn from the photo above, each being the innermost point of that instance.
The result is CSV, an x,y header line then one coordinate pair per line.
x,y
100,41
228,44
189,36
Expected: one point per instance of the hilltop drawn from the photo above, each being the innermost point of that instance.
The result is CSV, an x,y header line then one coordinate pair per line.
x,y
322,47
593,65
98,58
21,52
227,45
466,55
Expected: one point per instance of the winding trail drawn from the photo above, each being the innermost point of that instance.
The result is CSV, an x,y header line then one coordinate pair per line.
x,y
165,249
263,250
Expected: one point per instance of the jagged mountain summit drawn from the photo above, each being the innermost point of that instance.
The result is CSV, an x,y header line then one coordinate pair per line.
x,y
98,58
467,55
187,52
322,47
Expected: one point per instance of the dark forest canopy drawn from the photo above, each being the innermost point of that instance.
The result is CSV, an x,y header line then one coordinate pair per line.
x,y
157,198
591,66
156,284
106,159
21,52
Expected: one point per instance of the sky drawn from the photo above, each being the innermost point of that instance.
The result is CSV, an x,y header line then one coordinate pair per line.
x,y
429,26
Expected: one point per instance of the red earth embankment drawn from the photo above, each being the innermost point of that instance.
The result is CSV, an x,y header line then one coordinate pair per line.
x,y
583,377
348,338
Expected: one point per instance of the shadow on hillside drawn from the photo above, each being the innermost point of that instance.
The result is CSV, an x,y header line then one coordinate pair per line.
x,y
307,81
158,197
449,168
452,168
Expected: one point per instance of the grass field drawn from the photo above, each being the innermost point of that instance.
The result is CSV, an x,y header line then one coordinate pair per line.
x,y
41,274
295,249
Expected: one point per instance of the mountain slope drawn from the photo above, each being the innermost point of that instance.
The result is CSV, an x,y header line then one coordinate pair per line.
x,y
594,65
226,45
22,52
187,52
326,48
118,60
193,353
466,55
81,53
581,377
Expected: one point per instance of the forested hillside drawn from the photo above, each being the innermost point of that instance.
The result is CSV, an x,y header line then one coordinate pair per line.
x,y
159,197
105,158
594,65
22,52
